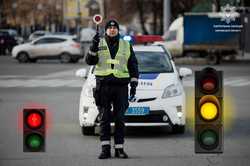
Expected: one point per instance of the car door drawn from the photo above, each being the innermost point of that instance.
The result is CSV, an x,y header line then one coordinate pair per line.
x,y
55,46
39,48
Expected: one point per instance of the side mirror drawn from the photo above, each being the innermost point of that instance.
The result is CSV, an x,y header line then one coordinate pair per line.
x,y
81,73
185,72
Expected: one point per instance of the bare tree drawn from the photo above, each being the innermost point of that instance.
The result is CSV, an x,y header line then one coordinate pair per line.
x,y
182,6
140,6
217,5
126,10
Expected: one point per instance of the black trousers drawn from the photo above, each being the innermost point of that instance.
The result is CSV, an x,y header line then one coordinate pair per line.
x,y
116,96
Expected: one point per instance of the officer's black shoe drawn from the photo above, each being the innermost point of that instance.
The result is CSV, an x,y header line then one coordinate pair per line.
x,y
119,153
106,152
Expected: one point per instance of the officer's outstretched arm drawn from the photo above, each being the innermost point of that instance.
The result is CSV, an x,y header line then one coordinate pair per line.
x,y
92,58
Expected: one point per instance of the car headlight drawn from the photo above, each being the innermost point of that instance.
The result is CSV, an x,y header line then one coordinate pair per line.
x,y
172,90
89,91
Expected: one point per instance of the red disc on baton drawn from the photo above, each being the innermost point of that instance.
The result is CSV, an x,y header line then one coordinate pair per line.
x,y
97,19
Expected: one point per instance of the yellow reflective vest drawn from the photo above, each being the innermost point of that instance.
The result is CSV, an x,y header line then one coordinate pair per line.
x,y
103,67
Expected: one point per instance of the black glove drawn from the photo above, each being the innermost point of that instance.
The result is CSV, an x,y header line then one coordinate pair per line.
x,y
95,41
133,86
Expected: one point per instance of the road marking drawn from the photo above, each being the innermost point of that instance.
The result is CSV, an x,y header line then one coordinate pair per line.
x,y
40,83
66,73
243,84
230,81
234,82
67,78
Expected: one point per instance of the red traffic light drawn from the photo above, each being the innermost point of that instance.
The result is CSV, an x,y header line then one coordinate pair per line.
x,y
209,82
34,120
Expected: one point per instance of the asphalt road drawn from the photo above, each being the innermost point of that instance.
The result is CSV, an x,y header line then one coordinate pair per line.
x,y
54,85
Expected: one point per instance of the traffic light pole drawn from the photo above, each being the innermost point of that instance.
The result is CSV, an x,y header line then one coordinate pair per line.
x,y
78,22
166,15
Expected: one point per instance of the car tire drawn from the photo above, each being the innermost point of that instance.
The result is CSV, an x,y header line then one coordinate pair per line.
x,y
178,129
88,130
65,58
213,59
23,57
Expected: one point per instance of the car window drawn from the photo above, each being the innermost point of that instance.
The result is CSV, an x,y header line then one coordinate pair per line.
x,y
2,33
38,35
41,41
12,33
153,62
171,35
49,40
9,32
56,40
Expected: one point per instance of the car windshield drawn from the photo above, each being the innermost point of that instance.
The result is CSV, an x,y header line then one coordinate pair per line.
x,y
10,32
153,62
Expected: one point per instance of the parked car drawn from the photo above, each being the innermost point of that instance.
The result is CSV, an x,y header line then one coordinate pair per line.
x,y
160,97
38,34
13,33
63,47
7,42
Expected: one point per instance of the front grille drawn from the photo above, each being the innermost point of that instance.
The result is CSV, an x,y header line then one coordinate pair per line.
x,y
152,117
146,100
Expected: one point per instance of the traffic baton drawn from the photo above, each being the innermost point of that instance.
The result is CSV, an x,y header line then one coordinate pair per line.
x,y
97,20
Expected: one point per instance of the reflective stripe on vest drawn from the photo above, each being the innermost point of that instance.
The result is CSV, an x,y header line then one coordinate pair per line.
x,y
103,67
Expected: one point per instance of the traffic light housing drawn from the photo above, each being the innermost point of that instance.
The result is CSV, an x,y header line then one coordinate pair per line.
x,y
208,111
34,129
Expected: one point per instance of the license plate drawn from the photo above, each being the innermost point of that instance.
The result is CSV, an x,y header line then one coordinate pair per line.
x,y
137,111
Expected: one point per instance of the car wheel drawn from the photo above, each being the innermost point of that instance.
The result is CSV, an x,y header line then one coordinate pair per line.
x,y
178,129
213,59
88,130
65,58
23,57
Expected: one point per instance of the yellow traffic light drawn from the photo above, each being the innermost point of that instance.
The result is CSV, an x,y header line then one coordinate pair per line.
x,y
209,111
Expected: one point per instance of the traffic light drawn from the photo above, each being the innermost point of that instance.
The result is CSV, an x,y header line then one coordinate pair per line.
x,y
34,129
208,111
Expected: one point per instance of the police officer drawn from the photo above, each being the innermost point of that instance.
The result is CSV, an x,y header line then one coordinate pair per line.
x,y
115,67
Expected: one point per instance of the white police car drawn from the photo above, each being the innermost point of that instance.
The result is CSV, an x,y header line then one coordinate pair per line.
x,y
160,97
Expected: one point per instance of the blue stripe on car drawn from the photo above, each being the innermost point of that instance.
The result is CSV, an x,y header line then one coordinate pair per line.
x,y
150,76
